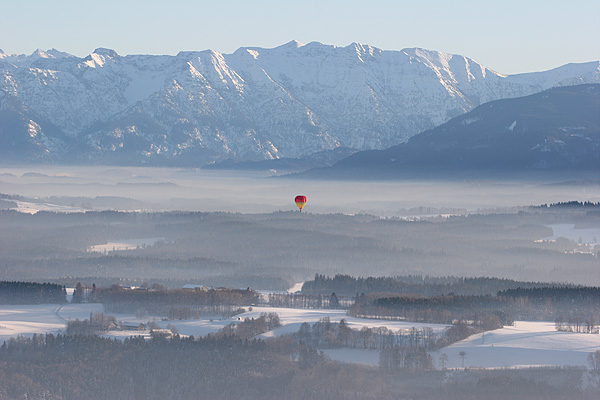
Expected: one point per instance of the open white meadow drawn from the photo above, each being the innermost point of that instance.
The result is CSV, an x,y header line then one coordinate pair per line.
x,y
26,320
32,208
523,345
130,244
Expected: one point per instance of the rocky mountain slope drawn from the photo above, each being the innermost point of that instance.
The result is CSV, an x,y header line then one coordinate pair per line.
x,y
255,104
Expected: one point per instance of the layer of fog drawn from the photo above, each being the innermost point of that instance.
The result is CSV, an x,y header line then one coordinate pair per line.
x,y
159,189
571,232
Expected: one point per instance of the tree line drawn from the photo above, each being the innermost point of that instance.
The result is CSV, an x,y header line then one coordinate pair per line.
x,y
302,300
569,204
226,367
157,300
412,284
15,292
485,312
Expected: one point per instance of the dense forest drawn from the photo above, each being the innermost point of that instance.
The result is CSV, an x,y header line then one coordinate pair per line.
x,y
31,293
275,250
485,302
532,304
413,284
227,367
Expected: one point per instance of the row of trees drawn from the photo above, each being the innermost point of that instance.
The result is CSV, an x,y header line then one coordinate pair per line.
x,y
485,312
98,322
325,334
569,204
581,303
556,294
174,303
302,300
576,324
576,306
411,284
251,327
401,358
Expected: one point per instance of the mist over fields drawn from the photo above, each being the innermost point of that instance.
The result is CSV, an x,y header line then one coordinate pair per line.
x,y
244,230
114,229
167,189
401,204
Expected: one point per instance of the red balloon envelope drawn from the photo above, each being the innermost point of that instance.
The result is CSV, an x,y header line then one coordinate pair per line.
x,y
300,201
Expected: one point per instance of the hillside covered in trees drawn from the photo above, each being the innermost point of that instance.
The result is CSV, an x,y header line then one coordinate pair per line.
x,y
229,368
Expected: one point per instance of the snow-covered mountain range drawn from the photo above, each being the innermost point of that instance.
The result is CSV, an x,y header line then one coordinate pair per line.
x,y
199,107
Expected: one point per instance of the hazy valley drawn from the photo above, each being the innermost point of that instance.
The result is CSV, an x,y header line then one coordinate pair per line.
x,y
150,247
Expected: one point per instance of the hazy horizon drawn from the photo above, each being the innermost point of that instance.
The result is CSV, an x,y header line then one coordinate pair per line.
x,y
515,37
254,192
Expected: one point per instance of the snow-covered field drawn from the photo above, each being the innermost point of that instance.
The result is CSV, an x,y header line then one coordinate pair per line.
x,y
522,345
32,208
292,318
569,231
130,244
45,318
29,319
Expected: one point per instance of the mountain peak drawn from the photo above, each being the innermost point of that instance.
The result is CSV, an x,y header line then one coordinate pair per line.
x,y
293,44
108,53
39,53
100,56
58,54
256,51
362,49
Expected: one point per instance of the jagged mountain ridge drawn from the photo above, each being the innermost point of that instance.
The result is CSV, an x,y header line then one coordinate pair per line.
x,y
557,130
254,104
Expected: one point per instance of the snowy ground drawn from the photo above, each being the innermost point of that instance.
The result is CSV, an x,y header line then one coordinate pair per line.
x,y
296,287
46,318
30,319
292,318
27,320
522,345
569,231
130,244
32,208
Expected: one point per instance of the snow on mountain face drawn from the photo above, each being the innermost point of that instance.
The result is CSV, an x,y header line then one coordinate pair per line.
x,y
256,103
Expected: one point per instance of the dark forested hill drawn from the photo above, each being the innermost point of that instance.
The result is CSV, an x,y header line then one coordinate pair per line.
x,y
556,130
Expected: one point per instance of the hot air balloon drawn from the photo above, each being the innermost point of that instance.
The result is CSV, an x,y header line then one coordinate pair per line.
x,y
300,201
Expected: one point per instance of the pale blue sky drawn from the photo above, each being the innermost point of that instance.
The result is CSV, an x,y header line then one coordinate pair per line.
x,y
508,36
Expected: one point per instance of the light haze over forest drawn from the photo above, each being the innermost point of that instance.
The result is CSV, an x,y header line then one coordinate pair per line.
x,y
473,272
